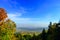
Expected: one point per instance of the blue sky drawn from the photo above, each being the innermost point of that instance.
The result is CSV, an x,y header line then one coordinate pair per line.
x,y
32,13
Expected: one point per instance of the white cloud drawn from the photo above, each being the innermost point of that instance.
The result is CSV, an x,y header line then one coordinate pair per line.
x,y
26,22
17,17
14,15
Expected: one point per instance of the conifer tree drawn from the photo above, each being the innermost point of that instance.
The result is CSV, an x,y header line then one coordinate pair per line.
x,y
49,28
43,35
57,31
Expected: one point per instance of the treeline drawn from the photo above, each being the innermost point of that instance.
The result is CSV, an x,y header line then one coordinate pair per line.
x,y
53,33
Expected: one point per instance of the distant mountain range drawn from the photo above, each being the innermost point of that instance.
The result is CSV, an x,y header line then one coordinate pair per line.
x,y
31,29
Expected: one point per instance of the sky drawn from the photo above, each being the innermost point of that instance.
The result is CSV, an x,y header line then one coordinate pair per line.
x,y
32,13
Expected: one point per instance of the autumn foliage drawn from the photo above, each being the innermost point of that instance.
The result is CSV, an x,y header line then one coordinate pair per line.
x,y
3,14
7,28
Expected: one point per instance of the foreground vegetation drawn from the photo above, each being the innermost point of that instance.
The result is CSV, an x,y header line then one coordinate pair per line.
x,y
53,33
8,32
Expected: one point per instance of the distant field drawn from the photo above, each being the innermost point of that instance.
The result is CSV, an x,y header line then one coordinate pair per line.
x,y
30,31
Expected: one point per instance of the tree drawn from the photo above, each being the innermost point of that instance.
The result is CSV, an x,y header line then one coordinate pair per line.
x,y
34,37
7,30
18,36
27,37
57,31
50,28
43,35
